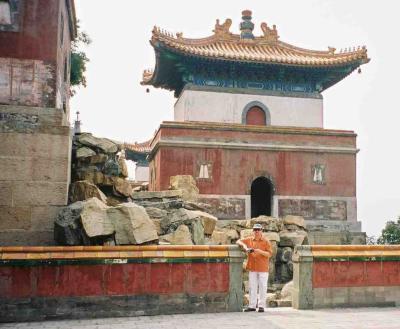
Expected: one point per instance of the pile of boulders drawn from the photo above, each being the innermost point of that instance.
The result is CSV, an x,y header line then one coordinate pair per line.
x,y
283,233
98,162
154,217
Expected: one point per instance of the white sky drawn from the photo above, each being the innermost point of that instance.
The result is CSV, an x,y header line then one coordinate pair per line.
x,y
115,105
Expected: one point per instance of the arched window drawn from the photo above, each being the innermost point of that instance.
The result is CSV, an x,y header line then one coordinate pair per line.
x,y
255,116
256,113
5,12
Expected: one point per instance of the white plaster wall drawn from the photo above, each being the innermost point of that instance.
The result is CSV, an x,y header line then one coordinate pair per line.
x,y
209,106
142,174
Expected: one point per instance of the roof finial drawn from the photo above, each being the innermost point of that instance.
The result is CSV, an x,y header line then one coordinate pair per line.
x,y
246,26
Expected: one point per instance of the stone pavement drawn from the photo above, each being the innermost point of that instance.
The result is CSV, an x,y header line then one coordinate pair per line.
x,y
277,318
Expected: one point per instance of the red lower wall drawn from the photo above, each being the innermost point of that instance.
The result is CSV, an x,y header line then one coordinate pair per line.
x,y
114,279
355,274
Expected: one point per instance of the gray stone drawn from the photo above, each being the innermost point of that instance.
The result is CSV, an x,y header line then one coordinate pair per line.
x,y
187,184
294,220
272,236
94,218
123,167
144,195
98,158
191,205
222,236
291,239
122,187
103,144
197,231
68,227
131,224
111,167
84,152
176,218
154,212
268,223
209,221
83,190
287,291
180,236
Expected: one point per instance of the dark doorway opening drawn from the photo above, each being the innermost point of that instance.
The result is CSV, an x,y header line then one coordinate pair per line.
x,y
262,191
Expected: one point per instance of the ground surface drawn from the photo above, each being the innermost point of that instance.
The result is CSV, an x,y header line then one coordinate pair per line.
x,y
278,318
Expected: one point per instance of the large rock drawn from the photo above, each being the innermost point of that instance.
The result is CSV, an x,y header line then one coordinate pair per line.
x,y
98,158
180,236
68,227
132,225
154,212
123,167
209,221
192,205
84,152
177,217
94,176
103,144
187,184
197,230
272,236
156,196
83,190
291,239
268,223
294,220
122,187
111,167
222,236
94,218
287,291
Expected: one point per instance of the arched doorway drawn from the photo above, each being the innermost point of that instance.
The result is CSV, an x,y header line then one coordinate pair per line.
x,y
262,191
255,116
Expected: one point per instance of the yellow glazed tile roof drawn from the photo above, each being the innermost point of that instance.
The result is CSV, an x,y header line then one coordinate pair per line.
x,y
266,49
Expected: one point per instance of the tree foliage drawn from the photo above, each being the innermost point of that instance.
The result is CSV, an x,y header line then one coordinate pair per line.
x,y
391,233
78,60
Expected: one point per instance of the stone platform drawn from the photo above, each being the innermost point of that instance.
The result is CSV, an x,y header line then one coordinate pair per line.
x,y
277,318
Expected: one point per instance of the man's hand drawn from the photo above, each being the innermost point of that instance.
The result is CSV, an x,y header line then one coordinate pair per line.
x,y
262,252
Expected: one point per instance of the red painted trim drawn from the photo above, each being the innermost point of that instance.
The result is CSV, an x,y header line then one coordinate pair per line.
x,y
355,274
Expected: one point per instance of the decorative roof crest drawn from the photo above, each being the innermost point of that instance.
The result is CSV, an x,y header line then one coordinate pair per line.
x,y
246,26
222,30
270,35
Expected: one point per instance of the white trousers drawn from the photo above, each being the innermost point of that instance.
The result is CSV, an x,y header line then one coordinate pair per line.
x,y
258,282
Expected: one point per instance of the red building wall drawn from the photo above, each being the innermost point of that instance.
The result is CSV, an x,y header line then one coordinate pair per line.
x,y
234,170
32,57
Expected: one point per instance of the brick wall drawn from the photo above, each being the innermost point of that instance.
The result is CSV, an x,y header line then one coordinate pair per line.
x,y
75,282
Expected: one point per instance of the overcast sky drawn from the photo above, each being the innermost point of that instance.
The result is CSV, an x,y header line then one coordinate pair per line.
x,y
115,105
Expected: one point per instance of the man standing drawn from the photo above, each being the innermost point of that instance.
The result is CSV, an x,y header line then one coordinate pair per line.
x,y
259,251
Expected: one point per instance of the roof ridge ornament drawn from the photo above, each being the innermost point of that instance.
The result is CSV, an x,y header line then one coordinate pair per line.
x,y
246,26
222,30
270,35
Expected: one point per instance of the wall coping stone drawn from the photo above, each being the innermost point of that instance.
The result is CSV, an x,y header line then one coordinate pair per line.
x,y
120,254
347,253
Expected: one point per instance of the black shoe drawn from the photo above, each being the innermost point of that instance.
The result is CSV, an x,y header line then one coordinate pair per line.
x,y
261,309
249,309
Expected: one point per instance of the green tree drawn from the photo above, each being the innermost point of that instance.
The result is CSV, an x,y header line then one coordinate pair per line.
x,y
78,60
391,233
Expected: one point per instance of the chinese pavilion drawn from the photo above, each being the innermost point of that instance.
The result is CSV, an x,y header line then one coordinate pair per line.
x,y
248,124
